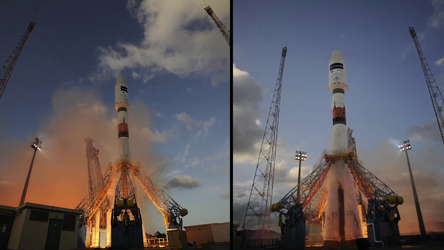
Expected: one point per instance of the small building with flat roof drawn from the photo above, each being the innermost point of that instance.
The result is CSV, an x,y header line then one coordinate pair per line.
x,y
213,233
7,216
44,227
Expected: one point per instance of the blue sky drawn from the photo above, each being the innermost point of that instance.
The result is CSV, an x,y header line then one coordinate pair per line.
x,y
387,100
176,65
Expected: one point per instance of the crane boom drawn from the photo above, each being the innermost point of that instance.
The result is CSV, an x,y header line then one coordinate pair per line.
x,y
223,29
8,67
435,93
169,208
263,181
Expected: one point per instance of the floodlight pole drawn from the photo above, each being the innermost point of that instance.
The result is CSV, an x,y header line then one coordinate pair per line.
x,y
301,156
35,146
299,179
415,195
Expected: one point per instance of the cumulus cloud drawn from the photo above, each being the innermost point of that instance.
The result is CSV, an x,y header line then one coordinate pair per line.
x,y
179,38
437,18
247,96
160,115
190,122
183,181
59,174
440,62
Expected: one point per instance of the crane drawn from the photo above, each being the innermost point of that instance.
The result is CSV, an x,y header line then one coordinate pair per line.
x,y
435,93
262,187
223,29
169,208
8,67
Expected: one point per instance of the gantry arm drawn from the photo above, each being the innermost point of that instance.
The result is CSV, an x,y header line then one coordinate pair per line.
x,y
309,187
170,209
91,203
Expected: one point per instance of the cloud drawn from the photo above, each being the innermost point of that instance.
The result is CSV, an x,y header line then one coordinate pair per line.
x,y
77,113
190,122
440,62
437,18
226,195
408,49
247,96
183,181
427,133
388,164
179,38
160,115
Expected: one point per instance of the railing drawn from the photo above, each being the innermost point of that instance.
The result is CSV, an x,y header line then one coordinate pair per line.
x,y
260,242
157,242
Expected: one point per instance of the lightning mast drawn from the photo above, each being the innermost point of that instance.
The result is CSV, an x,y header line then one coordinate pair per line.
x,y
262,187
223,29
435,93
8,67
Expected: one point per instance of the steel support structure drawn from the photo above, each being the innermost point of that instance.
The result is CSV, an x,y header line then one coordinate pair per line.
x,y
8,67
223,29
257,214
435,93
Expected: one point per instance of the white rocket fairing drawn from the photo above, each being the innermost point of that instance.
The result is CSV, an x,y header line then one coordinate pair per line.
x,y
342,217
122,107
337,84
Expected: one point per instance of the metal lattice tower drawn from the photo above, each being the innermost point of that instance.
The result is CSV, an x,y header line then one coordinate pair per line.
x,y
8,67
95,176
262,187
95,180
223,29
435,93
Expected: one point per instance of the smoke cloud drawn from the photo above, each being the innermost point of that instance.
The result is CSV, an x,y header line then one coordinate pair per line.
x,y
59,175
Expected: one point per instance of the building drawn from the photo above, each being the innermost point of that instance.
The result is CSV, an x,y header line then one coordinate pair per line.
x,y
214,233
40,227
7,216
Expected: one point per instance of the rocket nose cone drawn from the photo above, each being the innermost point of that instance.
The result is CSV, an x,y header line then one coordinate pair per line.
x,y
336,56
120,81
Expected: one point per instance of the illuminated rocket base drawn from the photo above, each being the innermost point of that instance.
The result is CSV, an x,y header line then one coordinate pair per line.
x,y
342,222
126,219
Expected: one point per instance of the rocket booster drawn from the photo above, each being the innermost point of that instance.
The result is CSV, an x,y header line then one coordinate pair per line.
x,y
338,85
122,105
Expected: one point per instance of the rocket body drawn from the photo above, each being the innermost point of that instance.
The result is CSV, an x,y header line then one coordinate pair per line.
x,y
122,106
338,85
342,217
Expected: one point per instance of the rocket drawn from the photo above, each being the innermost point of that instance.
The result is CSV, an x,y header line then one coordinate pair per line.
x,y
342,221
337,85
122,106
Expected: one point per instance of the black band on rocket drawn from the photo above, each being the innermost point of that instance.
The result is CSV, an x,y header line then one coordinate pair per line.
x,y
122,109
338,90
339,120
124,134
